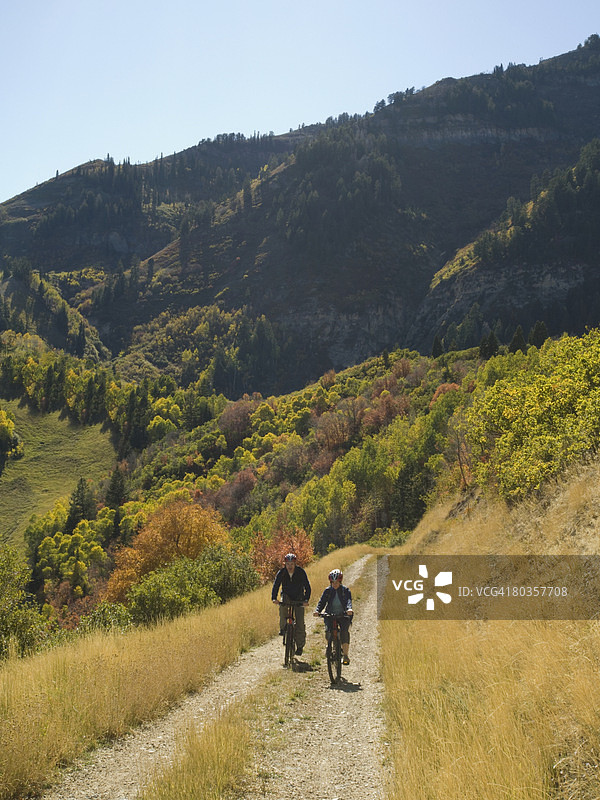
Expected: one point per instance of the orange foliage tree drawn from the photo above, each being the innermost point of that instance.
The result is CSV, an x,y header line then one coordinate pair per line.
x,y
178,529
267,556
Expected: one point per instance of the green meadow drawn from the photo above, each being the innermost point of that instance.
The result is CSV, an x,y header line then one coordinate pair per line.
x,y
57,453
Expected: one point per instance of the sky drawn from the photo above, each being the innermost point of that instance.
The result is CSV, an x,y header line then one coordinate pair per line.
x,y
137,78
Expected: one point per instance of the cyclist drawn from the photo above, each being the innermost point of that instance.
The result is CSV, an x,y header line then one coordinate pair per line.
x,y
295,586
337,599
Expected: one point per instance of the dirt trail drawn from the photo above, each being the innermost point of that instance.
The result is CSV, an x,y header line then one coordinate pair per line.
x,y
345,726
334,746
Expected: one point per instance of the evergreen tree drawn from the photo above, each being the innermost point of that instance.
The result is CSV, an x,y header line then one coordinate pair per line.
x,y
488,346
115,494
437,348
538,334
62,319
518,341
81,506
408,500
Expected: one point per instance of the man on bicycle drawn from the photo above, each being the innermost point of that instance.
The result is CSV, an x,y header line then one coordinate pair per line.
x,y
337,600
295,587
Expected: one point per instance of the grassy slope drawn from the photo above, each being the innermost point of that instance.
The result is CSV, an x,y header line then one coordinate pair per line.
x,y
122,680
57,454
498,709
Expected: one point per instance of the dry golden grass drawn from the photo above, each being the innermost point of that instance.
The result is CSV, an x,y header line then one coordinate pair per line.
x,y
211,763
55,705
493,710
498,709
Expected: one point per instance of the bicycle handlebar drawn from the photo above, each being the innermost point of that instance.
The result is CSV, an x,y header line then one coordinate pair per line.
x,y
338,616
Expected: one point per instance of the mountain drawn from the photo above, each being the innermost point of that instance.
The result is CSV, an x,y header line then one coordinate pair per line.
x,y
332,233
540,261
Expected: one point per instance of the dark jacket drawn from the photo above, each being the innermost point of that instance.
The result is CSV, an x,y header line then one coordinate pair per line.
x,y
295,587
344,594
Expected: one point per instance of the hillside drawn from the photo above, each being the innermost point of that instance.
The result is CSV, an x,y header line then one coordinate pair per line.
x,y
333,232
56,454
539,261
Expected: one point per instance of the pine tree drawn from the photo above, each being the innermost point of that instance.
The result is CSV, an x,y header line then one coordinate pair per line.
x,y
538,334
81,506
115,494
518,341
437,348
488,346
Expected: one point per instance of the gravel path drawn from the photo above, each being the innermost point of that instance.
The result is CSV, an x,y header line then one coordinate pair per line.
x,y
346,725
333,748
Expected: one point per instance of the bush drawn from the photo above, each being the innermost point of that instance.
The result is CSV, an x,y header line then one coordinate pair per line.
x,y
22,626
388,537
106,617
226,573
170,592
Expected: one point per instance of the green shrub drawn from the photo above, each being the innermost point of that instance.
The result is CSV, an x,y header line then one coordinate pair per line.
x,y
22,626
106,617
169,592
227,573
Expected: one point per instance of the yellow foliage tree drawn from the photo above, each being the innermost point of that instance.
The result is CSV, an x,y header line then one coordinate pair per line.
x,y
177,529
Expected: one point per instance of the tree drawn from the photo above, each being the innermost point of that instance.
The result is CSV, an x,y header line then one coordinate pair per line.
x,y
489,346
437,348
62,319
20,623
65,557
267,556
538,334
410,489
116,494
518,341
150,274
177,529
247,195
81,506
7,432
79,344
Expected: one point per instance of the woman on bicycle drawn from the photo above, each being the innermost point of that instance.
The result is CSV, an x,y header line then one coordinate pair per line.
x,y
337,600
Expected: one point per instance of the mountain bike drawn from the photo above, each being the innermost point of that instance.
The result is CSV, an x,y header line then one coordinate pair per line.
x,y
289,635
334,648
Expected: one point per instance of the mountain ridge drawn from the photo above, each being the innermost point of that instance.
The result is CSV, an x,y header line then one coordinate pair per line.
x,y
333,232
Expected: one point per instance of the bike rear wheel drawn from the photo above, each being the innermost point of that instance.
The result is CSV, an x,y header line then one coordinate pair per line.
x,y
334,660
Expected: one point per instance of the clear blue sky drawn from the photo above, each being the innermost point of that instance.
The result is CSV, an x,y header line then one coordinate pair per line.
x,y
134,78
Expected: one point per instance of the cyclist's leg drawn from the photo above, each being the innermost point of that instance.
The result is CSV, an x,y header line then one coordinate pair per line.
x,y
300,627
282,619
345,638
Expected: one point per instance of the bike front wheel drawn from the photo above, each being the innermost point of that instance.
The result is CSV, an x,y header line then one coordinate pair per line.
x,y
290,645
334,660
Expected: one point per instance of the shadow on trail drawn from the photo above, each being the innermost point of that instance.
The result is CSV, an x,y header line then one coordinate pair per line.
x,y
346,686
302,666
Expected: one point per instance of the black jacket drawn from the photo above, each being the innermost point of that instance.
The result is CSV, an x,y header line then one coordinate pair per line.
x,y
295,587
